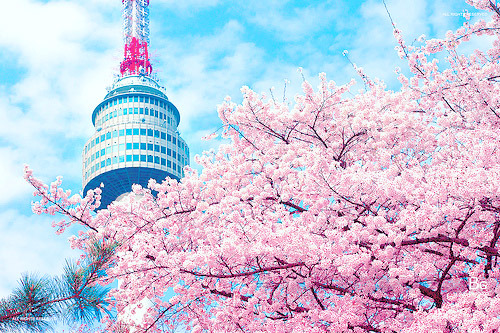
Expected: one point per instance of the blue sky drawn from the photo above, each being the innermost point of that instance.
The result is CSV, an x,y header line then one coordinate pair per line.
x,y
58,56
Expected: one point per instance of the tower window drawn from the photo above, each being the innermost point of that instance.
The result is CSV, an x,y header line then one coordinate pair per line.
x,y
136,99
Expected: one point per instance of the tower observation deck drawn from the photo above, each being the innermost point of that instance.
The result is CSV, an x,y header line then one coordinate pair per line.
x,y
136,135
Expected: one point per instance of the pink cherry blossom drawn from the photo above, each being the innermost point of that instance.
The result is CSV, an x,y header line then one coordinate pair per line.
x,y
374,212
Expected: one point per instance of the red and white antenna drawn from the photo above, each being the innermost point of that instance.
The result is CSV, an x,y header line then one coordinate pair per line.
x,y
136,37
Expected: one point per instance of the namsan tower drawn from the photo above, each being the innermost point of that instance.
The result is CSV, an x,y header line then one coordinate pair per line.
x,y
136,135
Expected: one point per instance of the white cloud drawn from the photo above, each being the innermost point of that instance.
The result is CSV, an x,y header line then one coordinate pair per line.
x,y
49,34
29,244
292,24
66,52
203,70
11,177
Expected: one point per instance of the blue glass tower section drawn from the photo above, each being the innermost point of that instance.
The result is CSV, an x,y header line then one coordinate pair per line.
x,y
136,139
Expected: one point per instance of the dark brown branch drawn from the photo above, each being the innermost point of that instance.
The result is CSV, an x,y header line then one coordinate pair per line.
x,y
229,295
317,299
495,8
436,296
291,204
257,271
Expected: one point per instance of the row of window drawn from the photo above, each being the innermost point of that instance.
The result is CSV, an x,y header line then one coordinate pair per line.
x,y
136,131
133,98
138,111
134,158
135,145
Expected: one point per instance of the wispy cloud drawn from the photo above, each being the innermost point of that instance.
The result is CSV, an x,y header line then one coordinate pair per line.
x,y
29,245
290,23
64,70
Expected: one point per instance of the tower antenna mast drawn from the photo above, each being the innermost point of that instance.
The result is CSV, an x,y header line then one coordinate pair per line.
x,y
136,38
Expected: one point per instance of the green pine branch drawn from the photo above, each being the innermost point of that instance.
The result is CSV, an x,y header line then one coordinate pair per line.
x,y
74,297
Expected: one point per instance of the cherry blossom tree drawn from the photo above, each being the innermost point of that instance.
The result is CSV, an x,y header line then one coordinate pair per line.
x,y
334,212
